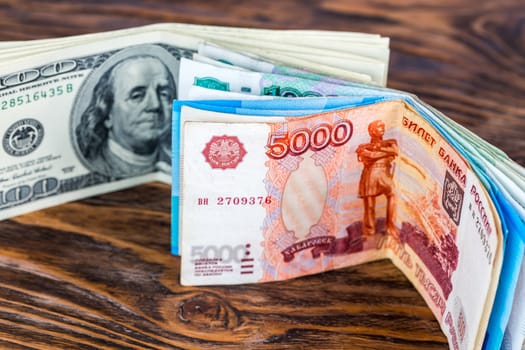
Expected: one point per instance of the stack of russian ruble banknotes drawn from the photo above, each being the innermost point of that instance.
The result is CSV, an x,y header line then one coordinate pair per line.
x,y
267,187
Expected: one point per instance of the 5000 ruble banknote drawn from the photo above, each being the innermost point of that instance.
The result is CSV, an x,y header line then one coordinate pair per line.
x,y
272,198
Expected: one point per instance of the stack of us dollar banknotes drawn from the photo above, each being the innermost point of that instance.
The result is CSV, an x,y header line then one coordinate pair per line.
x,y
286,154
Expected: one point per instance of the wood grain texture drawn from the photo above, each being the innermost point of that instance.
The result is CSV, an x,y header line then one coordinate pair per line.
x,y
98,274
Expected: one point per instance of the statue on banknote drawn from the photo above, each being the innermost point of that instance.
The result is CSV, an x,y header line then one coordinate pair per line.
x,y
125,129
376,179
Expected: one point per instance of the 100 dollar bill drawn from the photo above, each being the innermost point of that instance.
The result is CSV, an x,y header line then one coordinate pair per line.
x,y
91,114
88,121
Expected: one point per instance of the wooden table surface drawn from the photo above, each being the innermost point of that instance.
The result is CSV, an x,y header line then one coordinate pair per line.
x,y
97,273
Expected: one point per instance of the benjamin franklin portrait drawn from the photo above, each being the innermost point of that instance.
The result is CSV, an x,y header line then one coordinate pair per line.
x,y
125,129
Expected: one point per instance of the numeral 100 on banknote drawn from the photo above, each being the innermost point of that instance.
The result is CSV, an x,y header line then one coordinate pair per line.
x,y
24,193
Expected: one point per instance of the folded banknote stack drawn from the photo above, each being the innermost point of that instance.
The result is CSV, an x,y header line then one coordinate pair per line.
x,y
267,187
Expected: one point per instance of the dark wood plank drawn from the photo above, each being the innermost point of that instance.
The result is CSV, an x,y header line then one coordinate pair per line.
x,y
98,274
